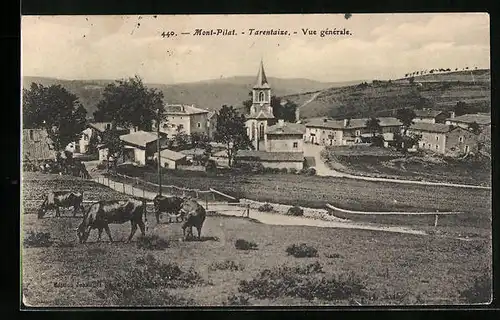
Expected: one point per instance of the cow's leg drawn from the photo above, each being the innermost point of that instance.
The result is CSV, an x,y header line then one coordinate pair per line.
x,y
199,232
57,212
142,226
75,208
132,231
106,228
100,233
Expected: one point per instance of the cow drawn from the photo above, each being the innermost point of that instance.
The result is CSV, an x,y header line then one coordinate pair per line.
x,y
195,216
105,212
170,205
61,199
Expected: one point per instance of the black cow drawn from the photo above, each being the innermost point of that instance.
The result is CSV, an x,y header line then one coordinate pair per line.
x,y
106,212
61,199
169,205
195,216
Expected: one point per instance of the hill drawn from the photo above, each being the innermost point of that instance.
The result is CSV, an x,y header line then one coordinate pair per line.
x,y
209,94
382,98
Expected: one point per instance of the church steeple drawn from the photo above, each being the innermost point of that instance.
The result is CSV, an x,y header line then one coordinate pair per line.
x,y
261,82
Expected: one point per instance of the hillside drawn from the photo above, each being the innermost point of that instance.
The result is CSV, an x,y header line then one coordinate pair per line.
x,y
381,98
209,94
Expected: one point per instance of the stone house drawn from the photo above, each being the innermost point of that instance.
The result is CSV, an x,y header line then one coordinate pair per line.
x,y
464,121
140,146
431,116
184,118
36,145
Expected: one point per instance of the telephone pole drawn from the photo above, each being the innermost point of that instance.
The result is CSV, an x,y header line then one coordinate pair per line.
x,y
158,150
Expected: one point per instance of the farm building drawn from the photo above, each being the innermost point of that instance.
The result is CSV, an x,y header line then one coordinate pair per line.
x,y
347,131
140,146
37,145
94,128
184,118
445,139
170,159
285,137
464,121
431,116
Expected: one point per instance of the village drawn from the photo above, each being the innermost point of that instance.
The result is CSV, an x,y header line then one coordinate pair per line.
x,y
291,174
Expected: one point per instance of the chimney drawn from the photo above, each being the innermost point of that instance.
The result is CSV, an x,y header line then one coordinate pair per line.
x,y
452,114
345,122
281,123
325,120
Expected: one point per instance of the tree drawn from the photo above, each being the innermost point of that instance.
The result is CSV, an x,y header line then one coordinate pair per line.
x,y
93,142
202,141
56,110
475,128
129,103
406,117
404,142
248,103
111,140
231,132
373,125
181,139
460,108
285,111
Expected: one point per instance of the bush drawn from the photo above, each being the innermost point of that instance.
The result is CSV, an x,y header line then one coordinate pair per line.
x,y
310,284
38,239
302,251
257,167
283,170
303,171
311,172
235,300
333,255
292,171
266,207
210,166
152,242
226,265
295,211
480,291
242,244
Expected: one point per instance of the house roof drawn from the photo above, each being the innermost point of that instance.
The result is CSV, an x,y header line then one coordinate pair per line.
x,y
479,118
193,152
183,109
171,155
287,128
270,156
427,113
352,123
211,114
431,127
261,81
139,138
101,126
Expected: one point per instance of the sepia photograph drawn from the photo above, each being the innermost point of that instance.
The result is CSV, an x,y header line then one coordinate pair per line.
x,y
255,160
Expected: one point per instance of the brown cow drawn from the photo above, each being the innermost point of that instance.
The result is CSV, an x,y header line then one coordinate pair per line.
x,y
61,199
105,212
195,216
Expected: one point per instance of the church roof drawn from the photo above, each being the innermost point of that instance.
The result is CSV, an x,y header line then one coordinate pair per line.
x,y
261,82
261,114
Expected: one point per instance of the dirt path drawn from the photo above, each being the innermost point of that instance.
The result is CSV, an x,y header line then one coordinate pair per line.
x,y
322,169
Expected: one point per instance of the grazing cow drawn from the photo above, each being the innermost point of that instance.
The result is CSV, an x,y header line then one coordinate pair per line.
x,y
195,216
170,205
61,199
105,212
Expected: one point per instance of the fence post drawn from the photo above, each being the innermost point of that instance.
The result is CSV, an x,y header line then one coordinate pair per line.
x,y
123,184
248,210
206,201
143,193
436,221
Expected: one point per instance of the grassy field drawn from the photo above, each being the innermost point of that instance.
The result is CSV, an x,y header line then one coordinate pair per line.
x,y
315,192
379,162
70,274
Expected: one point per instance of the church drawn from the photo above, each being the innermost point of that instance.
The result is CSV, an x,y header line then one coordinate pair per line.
x,y
277,144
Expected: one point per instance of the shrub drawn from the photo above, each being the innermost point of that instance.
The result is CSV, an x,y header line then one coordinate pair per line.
x,y
152,242
257,167
283,170
295,211
38,239
302,251
242,244
311,172
292,171
210,166
235,300
266,207
294,282
303,171
480,291
226,265
333,255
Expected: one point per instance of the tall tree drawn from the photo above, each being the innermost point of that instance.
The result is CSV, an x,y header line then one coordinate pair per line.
x,y
129,103
373,125
406,117
283,110
231,132
56,110
248,103
475,128
111,140
461,108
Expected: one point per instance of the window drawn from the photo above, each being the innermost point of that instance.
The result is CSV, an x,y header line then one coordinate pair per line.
x,y
85,137
357,133
437,147
437,138
108,126
323,131
198,125
461,139
295,145
31,134
466,149
181,127
261,96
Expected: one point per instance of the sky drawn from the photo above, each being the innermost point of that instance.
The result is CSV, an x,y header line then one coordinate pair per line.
x,y
381,46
